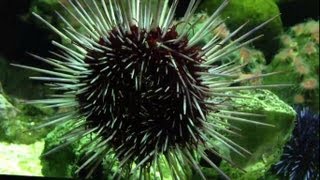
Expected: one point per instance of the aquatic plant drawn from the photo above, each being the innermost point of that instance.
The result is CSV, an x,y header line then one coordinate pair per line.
x,y
299,56
144,86
300,159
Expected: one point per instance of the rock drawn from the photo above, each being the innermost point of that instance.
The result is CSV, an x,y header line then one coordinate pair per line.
x,y
256,12
16,82
7,110
18,129
59,164
66,161
18,119
265,143
299,60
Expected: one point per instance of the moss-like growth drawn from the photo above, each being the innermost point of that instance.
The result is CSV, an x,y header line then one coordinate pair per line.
x,y
18,119
59,164
299,59
66,161
257,11
7,110
261,139
17,128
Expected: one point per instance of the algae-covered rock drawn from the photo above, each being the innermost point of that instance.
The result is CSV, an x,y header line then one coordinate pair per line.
x,y
264,142
256,12
7,110
65,161
299,59
16,82
60,163
18,119
19,129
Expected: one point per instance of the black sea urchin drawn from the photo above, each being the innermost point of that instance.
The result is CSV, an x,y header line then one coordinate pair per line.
x,y
143,85
300,159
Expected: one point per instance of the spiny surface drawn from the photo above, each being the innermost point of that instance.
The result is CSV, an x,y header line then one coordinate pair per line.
x,y
300,159
139,90
139,82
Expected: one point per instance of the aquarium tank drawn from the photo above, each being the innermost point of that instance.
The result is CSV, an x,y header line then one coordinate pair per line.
x,y
159,89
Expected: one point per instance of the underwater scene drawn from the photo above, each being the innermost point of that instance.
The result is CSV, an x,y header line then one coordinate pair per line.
x,y
159,89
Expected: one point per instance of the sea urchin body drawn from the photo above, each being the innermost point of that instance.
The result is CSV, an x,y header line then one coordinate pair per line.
x,y
300,159
143,85
142,91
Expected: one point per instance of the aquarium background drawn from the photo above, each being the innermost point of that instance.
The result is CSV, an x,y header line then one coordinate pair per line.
x,y
290,44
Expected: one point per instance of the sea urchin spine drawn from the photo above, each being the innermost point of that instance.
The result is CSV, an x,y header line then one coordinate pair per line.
x,y
143,85
300,159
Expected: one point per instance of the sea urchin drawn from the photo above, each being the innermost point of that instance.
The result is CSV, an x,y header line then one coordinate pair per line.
x,y
143,84
300,159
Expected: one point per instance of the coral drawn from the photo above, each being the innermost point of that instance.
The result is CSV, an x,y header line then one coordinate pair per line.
x,y
300,159
257,11
252,63
299,60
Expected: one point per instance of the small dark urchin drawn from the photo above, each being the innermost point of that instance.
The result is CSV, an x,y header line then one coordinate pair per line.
x,y
144,86
300,159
